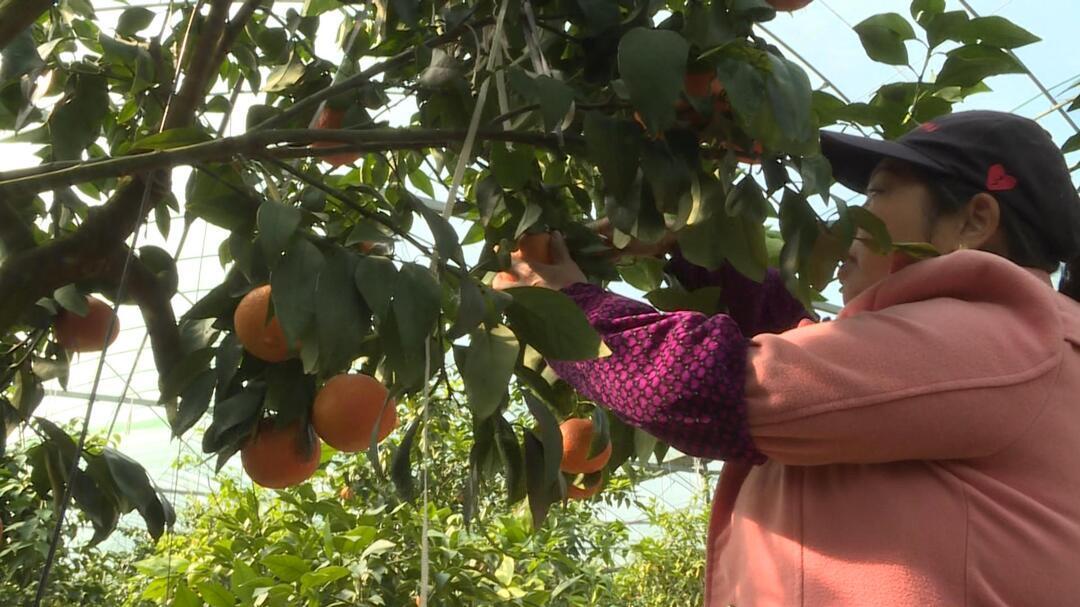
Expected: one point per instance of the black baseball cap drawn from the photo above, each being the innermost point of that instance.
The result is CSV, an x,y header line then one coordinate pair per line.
x,y
1008,156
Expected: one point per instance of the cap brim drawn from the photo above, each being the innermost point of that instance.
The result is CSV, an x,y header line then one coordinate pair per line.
x,y
854,158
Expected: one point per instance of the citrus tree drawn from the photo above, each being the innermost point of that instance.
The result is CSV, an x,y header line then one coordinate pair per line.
x,y
672,116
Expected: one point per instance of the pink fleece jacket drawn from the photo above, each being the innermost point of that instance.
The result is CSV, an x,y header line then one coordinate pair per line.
x,y
924,449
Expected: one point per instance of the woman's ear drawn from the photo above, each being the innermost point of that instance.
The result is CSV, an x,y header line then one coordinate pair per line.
x,y
981,228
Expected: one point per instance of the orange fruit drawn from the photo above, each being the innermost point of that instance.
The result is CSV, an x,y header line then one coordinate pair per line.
x,y
582,493
275,457
535,247
346,409
88,333
577,436
788,5
346,493
265,340
330,118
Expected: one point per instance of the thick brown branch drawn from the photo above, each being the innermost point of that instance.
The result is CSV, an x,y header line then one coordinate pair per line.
x,y
17,15
144,288
237,25
201,69
258,142
15,235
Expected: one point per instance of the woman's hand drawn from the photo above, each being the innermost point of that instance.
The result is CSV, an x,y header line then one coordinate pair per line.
x,y
561,272
636,248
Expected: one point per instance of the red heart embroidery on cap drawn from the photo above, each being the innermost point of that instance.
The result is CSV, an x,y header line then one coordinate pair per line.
x,y
998,180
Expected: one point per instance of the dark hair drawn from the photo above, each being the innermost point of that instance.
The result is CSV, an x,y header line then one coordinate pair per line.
x,y
1025,246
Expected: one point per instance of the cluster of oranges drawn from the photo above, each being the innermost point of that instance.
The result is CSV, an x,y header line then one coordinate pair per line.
x,y
343,416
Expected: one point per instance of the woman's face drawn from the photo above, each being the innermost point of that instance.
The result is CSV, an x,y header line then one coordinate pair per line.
x,y
903,203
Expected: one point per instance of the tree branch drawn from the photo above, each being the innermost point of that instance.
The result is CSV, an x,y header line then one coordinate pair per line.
x,y
144,288
15,235
201,70
17,15
256,143
91,251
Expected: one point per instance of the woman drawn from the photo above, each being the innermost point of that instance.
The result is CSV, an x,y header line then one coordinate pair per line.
x,y
921,449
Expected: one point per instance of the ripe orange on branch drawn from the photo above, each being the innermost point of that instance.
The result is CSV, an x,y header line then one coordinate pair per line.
x,y
534,248
277,458
347,408
577,436
265,340
88,333
331,118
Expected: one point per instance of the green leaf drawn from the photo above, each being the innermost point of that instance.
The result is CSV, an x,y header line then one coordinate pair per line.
x,y
512,168
472,307
71,300
614,147
284,77
293,286
218,195
134,485
553,96
286,567
739,240
643,273
215,594
341,317
376,278
553,324
324,575
277,223
872,224
923,11
194,401
744,84
509,450
542,493
971,64
948,25
601,436
422,182
184,597
883,37
488,368
190,366
19,57
234,417
788,89
550,436
705,300
416,304
652,63
134,20
446,239
401,464
76,121
96,503
996,32
289,392
172,138
1071,144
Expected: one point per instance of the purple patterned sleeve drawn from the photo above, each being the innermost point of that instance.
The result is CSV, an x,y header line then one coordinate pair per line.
x,y
758,307
678,376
